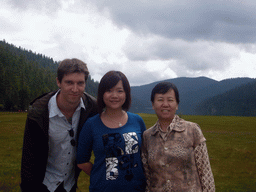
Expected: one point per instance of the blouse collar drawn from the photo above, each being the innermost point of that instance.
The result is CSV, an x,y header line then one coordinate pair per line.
x,y
175,125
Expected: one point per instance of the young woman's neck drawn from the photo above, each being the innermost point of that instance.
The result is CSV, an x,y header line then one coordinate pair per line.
x,y
114,112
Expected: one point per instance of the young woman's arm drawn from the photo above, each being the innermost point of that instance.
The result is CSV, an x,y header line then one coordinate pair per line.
x,y
86,167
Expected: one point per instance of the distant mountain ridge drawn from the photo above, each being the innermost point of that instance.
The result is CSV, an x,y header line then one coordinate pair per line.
x,y
194,92
24,75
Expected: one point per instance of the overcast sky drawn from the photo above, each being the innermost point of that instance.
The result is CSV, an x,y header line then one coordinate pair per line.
x,y
148,40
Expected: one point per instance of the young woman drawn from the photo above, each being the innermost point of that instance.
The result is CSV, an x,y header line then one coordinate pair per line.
x,y
114,136
174,151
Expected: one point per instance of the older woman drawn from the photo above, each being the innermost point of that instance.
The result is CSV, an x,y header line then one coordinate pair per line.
x,y
115,137
174,151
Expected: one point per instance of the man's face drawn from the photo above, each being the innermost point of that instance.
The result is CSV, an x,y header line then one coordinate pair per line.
x,y
71,87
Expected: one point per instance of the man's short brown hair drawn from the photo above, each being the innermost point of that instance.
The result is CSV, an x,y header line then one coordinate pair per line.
x,y
72,66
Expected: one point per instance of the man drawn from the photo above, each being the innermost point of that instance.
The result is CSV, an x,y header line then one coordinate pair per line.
x,y
52,128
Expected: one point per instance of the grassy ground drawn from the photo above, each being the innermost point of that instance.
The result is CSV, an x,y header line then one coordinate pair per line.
x,y
230,141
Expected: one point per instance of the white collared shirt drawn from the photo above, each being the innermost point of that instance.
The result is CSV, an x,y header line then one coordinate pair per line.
x,y
61,157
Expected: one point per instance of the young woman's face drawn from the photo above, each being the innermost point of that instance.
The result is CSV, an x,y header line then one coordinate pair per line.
x,y
115,97
165,105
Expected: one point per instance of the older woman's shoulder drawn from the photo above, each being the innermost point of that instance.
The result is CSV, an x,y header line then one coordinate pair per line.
x,y
151,130
186,122
191,126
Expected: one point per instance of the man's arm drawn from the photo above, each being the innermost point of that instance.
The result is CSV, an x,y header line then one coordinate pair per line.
x,y
34,158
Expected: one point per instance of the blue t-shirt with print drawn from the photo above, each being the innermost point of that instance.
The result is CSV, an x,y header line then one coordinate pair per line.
x,y
117,165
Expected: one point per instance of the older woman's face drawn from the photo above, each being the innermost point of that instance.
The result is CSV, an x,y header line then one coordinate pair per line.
x,y
165,105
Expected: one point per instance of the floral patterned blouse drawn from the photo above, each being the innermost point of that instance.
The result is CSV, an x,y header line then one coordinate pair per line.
x,y
176,160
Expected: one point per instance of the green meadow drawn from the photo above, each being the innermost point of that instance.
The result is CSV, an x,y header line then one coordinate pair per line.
x,y
230,141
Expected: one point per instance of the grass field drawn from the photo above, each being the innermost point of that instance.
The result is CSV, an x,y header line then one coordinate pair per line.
x,y
230,141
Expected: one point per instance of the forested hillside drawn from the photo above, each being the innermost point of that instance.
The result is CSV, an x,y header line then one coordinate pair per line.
x,y
240,101
26,75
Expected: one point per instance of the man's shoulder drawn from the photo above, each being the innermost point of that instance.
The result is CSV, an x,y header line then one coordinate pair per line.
x,y
43,98
40,104
90,104
87,96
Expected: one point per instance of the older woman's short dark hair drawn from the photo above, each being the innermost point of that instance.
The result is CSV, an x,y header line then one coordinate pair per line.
x,y
108,81
72,66
164,87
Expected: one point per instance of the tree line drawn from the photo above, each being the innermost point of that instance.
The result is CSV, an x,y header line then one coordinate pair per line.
x,y
240,101
26,75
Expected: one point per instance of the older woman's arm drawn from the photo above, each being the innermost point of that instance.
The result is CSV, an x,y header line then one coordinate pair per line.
x,y
204,168
144,157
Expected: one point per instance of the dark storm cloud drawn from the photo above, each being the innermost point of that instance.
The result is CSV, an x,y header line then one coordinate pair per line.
x,y
194,56
226,21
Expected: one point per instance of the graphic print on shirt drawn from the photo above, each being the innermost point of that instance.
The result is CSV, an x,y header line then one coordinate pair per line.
x,y
131,143
120,154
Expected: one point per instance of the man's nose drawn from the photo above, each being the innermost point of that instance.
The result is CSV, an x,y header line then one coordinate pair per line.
x,y
75,87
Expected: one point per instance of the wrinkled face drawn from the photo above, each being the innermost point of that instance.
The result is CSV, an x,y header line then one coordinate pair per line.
x,y
71,88
115,97
165,105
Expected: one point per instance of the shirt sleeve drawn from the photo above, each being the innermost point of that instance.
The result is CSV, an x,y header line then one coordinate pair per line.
x,y
144,157
84,148
204,168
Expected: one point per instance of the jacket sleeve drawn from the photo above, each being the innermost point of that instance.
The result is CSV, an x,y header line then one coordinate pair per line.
x,y
34,158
